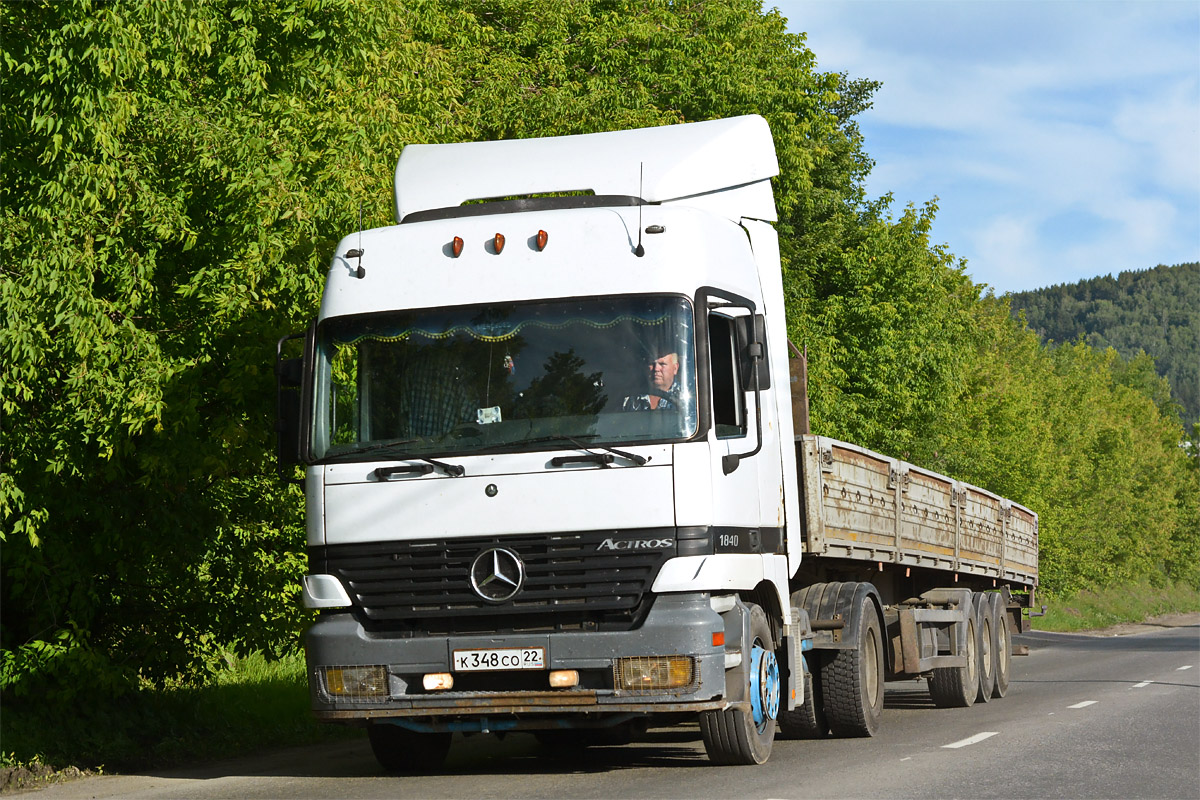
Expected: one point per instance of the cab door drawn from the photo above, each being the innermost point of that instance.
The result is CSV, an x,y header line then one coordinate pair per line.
x,y
734,432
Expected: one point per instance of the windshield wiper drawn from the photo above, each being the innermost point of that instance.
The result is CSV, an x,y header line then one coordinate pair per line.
x,y
603,459
453,470
370,448
634,457
562,437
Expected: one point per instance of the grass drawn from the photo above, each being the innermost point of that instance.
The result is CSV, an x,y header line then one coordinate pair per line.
x,y
1102,608
251,705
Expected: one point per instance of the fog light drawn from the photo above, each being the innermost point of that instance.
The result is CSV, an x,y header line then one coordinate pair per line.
x,y
651,673
438,681
356,683
564,678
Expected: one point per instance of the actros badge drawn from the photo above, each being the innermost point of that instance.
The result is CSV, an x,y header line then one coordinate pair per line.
x,y
497,574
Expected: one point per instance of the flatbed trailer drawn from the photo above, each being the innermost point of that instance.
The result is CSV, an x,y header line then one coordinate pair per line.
x,y
863,506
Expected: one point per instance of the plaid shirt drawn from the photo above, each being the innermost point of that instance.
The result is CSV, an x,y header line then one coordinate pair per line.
x,y
434,396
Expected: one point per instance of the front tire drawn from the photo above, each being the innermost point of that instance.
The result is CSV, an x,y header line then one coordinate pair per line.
x,y
852,680
734,736
399,750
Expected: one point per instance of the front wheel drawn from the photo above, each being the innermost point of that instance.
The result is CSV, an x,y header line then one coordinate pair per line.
x,y
399,750
738,736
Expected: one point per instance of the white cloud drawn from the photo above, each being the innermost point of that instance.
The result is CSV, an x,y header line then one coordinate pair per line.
x,y
1008,242
1167,124
1022,115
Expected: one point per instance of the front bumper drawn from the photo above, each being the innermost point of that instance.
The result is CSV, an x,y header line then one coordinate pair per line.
x,y
678,624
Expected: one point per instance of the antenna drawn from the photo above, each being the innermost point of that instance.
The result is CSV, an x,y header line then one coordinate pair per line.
x,y
640,251
357,252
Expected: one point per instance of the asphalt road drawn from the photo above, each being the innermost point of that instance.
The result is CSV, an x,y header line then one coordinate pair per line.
x,y
1085,717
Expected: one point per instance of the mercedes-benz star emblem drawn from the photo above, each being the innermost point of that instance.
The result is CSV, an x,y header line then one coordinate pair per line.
x,y
497,574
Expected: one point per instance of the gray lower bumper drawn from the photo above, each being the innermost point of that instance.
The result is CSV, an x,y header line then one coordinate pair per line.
x,y
681,624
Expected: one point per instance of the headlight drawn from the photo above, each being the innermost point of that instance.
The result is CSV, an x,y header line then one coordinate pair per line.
x,y
356,683
654,673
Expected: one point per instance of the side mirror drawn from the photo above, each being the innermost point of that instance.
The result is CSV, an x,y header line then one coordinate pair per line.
x,y
289,391
752,346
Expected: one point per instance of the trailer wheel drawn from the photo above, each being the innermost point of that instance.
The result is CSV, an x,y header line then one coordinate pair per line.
x,y
806,721
399,750
737,736
987,646
852,680
956,687
1003,646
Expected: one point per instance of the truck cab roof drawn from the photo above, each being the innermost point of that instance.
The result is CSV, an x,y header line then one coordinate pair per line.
x,y
723,166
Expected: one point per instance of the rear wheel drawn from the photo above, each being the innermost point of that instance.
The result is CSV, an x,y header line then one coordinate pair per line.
x,y
805,721
987,647
401,750
1003,646
852,680
956,687
745,736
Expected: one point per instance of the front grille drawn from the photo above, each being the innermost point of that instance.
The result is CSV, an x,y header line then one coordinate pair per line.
x,y
424,587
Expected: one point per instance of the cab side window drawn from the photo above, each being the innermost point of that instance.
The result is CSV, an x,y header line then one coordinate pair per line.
x,y
729,404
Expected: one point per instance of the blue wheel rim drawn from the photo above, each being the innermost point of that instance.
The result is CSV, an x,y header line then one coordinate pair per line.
x,y
764,686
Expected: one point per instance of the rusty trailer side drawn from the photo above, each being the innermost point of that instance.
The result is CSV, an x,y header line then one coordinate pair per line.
x,y
861,505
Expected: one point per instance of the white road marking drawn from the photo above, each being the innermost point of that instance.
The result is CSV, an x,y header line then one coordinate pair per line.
x,y
1181,669
907,758
1142,685
1084,704
976,739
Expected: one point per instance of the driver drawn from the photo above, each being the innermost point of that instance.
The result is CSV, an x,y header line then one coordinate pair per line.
x,y
663,391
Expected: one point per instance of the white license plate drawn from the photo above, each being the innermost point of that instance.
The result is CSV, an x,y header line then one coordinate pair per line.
x,y
501,658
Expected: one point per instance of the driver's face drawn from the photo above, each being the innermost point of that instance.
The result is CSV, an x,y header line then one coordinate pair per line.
x,y
662,371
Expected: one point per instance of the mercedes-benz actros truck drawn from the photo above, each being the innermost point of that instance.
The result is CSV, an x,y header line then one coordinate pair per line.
x,y
559,478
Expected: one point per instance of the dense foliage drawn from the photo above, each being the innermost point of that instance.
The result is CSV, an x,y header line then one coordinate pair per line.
x,y
176,173
1155,311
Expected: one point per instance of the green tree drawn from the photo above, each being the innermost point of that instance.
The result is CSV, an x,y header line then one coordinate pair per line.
x,y
176,175
1156,311
177,172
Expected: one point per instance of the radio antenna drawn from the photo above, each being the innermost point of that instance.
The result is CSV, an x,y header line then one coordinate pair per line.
x,y
357,252
640,251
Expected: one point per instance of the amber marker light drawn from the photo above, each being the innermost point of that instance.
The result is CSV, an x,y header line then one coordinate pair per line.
x,y
456,246
498,242
542,238
718,638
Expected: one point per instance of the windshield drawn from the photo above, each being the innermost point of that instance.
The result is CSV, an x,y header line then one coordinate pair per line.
x,y
505,377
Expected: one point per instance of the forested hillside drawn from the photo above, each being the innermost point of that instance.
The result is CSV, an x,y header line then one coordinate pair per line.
x,y
177,172
1155,310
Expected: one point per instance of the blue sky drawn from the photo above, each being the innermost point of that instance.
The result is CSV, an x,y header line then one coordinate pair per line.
x,y
1062,139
